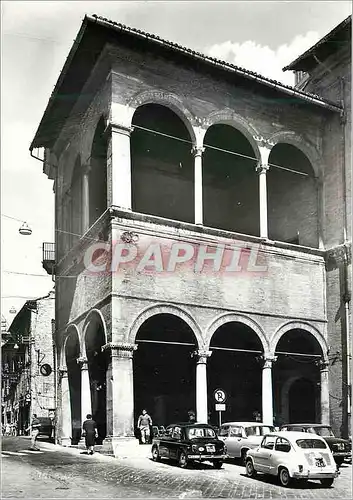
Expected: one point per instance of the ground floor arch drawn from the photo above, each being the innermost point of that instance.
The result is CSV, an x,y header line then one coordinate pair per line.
x,y
72,354
164,369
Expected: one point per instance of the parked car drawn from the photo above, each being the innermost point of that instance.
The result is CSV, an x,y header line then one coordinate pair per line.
x,y
189,442
239,437
341,448
46,427
293,455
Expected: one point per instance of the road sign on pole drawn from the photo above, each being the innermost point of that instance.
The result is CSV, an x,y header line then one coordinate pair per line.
x,y
219,396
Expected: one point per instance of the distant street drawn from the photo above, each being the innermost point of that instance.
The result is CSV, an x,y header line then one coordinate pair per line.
x,y
57,472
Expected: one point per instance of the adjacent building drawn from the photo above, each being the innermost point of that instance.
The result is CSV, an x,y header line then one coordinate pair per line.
x,y
200,215
28,365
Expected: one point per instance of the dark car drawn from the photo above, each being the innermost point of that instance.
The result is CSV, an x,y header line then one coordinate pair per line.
x,y
46,427
341,448
189,442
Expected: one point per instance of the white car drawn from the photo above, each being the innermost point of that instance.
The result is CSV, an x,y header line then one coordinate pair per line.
x,y
293,455
239,437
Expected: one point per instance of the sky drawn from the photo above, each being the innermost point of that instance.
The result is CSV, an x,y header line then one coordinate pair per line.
x,y
36,37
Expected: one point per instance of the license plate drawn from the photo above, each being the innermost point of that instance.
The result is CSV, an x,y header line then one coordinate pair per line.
x,y
210,449
319,462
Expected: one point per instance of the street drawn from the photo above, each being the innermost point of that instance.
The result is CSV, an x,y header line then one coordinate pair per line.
x,y
57,472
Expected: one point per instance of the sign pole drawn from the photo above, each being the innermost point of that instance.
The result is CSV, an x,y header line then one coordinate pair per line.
x,y
220,418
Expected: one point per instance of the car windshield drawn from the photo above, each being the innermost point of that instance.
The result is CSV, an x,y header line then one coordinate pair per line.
x,y
200,432
322,431
258,430
311,443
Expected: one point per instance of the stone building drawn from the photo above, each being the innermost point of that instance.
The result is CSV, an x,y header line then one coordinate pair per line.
x,y
28,385
196,204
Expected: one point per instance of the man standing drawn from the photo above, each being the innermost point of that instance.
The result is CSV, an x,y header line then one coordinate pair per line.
x,y
90,432
34,427
144,423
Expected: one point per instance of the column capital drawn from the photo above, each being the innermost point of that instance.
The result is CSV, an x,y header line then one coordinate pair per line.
x,y
83,362
62,370
322,364
117,128
268,361
261,168
197,150
201,355
120,349
86,168
262,142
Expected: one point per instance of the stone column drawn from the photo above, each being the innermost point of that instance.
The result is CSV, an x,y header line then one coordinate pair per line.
x,y
325,396
201,385
119,167
198,201
85,198
120,373
267,396
65,424
86,405
261,169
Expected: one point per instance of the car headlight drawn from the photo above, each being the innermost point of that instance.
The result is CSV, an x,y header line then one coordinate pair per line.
x,y
201,448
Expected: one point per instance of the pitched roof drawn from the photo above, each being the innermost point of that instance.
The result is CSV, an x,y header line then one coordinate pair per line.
x,y
94,33
328,45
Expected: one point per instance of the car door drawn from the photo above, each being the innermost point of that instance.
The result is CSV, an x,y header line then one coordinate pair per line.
x,y
279,456
263,456
234,440
175,442
165,442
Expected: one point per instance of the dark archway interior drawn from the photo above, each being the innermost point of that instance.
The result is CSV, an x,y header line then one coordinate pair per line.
x,y
304,371
98,174
239,374
230,182
97,367
72,352
164,374
76,202
292,198
162,168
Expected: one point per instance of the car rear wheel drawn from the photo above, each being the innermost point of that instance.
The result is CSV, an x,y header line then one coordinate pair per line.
x,y
250,471
339,461
218,464
183,460
155,454
326,482
284,477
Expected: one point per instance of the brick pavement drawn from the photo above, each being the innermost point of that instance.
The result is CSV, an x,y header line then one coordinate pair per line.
x,y
67,473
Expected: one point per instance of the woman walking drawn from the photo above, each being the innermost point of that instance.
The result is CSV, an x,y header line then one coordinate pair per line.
x,y
89,427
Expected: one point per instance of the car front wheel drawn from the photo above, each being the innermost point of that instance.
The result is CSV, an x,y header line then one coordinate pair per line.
x,y
326,482
183,460
250,471
218,464
284,477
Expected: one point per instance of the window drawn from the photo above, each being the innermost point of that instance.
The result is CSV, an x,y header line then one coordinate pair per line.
x,y
268,442
176,433
311,443
258,430
201,432
323,431
282,445
236,432
224,431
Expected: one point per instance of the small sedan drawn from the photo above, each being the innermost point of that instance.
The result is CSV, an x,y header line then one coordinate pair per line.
x,y
187,443
293,455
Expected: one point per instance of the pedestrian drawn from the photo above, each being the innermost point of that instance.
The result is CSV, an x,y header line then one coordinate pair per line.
x,y
192,416
89,427
144,423
7,429
34,428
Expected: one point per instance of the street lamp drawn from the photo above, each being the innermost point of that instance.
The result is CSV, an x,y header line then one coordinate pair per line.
x,y
25,230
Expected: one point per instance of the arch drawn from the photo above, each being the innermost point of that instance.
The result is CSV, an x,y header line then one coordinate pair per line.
x,y
238,318
288,137
94,314
229,117
70,328
153,310
299,325
168,100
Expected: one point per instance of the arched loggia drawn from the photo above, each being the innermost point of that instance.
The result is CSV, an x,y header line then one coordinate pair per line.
x,y
296,378
164,369
230,182
162,167
292,194
72,353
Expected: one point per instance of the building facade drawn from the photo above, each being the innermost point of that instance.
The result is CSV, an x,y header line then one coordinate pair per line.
x,y
28,368
193,223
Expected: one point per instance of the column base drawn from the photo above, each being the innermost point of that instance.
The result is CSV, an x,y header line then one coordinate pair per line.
x,y
123,447
65,441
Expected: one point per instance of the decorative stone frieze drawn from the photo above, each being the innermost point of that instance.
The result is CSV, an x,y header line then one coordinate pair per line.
x,y
120,349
